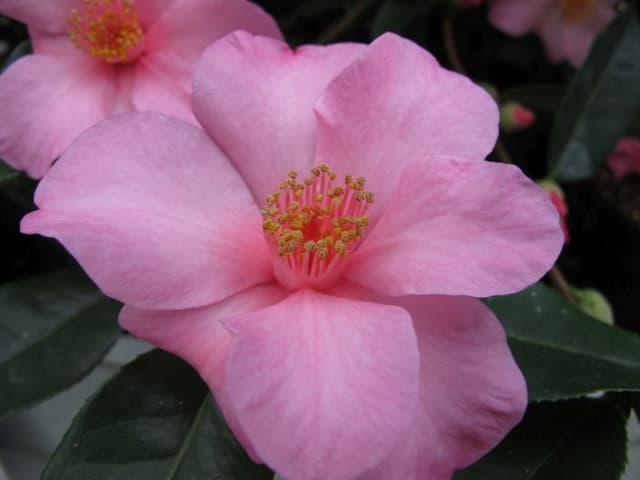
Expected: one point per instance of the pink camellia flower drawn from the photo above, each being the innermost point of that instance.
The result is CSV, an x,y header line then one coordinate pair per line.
x,y
94,58
567,27
314,252
625,158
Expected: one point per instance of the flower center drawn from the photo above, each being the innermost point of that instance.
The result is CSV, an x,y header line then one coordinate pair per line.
x,y
312,226
575,11
108,30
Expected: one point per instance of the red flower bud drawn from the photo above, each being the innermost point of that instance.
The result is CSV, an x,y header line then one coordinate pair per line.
x,y
514,117
556,195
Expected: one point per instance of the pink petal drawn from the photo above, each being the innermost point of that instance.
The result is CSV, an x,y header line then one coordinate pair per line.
x,y
48,15
160,87
176,42
471,392
154,213
41,118
149,11
197,336
254,96
577,41
517,17
324,387
551,32
458,227
396,105
55,44
185,29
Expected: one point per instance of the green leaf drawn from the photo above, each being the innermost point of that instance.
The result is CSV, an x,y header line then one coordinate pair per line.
x,y
7,173
601,103
22,49
537,96
585,439
154,420
54,329
564,352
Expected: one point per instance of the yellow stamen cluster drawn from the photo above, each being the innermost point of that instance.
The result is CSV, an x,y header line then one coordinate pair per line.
x,y
314,217
576,10
109,30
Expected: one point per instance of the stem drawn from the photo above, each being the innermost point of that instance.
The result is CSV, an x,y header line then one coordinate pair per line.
x,y
501,152
556,276
344,22
449,40
562,285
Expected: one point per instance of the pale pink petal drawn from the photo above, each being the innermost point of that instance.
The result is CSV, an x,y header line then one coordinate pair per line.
x,y
176,42
185,29
47,15
323,386
149,11
124,78
255,96
396,105
154,213
577,40
160,87
54,44
459,227
551,31
578,37
517,17
40,118
471,390
197,336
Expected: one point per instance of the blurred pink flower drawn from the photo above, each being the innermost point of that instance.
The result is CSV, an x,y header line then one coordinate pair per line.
x,y
93,58
625,158
336,328
567,27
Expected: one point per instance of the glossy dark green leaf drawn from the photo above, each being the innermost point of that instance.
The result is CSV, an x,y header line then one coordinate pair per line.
x,y
54,329
581,439
563,352
154,420
601,103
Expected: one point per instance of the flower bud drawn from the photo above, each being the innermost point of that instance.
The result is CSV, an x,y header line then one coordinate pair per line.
x,y
593,303
514,117
556,195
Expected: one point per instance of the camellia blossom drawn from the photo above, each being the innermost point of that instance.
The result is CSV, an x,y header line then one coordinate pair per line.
x,y
94,58
314,252
567,27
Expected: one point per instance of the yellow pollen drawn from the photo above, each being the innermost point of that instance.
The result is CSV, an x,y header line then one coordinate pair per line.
x,y
313,224
576,11
108,30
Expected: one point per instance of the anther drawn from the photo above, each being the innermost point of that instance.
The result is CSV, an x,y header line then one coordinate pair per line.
x,y
313,225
